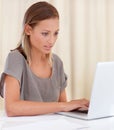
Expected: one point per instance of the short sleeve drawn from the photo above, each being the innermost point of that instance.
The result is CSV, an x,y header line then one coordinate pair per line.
x,y
13,67
63,80
61,75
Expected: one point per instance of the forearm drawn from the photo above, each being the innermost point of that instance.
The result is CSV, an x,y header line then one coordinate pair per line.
x,y
23,108
29,108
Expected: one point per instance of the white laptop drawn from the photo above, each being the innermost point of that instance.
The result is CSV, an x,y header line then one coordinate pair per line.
x,y
102,96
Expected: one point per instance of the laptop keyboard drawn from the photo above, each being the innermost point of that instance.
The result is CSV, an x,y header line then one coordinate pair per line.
x,y
80,111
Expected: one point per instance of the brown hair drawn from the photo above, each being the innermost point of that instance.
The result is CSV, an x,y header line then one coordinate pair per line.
x,y
34,14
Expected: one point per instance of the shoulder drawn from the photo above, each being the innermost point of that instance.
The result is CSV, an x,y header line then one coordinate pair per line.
x,y
15,56
57,59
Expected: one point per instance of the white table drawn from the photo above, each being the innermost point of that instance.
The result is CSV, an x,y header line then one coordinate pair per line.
x,y
10,122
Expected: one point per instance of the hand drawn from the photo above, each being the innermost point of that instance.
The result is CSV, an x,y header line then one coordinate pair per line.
x,y
83,101
82,109
76,104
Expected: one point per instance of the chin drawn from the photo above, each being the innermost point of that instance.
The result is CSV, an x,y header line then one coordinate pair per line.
x,y
47,52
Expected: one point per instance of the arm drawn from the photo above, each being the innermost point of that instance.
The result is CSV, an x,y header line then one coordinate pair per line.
x,y
63,97
16,107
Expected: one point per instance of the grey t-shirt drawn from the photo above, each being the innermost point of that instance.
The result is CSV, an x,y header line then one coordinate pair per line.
x,y
33,87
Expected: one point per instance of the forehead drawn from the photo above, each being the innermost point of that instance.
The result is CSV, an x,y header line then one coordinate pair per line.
x,y
48,24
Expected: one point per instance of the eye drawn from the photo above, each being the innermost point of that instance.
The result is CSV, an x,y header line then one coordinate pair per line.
x,y
45,33
56,33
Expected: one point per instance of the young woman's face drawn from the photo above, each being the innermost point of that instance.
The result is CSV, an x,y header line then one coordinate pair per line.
x,y
43,36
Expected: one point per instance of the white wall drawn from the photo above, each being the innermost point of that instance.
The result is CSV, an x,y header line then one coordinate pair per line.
x,y
1,104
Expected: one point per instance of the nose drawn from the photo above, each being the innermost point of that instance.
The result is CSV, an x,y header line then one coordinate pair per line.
x,y
52,39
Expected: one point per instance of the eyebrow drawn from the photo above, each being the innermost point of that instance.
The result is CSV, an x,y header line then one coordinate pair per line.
x,y
49,30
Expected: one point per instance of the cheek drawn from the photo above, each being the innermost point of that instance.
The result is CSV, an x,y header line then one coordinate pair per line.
x,y
34,38
37,41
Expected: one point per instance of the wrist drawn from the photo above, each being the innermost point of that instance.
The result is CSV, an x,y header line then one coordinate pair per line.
x,y
62,106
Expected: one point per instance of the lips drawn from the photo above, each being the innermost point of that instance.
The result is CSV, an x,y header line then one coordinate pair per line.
x,y
47,47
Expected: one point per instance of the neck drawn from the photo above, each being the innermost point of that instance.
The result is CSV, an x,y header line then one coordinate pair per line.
x,y
37,57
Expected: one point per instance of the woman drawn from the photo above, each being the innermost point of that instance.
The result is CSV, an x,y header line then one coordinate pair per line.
x,y
33,81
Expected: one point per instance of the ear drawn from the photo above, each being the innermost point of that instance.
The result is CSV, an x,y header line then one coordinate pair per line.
x,y
28,29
